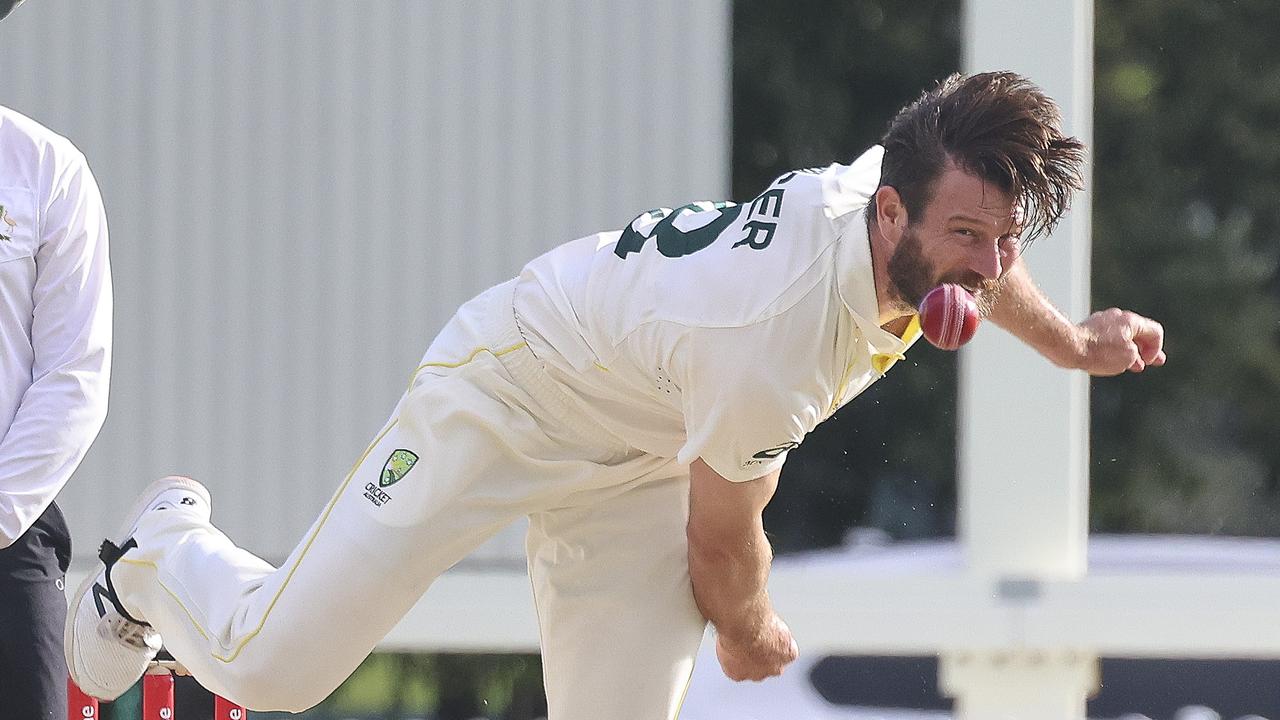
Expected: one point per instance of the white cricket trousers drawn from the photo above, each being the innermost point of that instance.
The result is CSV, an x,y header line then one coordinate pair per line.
x,y
495,439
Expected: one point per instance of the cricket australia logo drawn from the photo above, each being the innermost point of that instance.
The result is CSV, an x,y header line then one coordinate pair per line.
x,y
396,467
9,225
393,470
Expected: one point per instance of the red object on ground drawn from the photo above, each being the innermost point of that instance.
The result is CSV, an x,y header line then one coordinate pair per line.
x,y
224,709
949,316
157,696
80,706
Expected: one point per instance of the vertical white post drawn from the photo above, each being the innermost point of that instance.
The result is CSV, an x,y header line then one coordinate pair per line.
x,y
1024,423
1023,466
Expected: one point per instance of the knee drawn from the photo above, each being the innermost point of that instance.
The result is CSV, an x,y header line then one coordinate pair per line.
x,y
266,686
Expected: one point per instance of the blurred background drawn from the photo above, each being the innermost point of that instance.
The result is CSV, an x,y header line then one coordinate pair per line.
x,y
300,193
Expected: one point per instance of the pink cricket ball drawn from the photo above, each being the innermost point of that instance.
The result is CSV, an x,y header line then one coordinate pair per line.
x,y
949,316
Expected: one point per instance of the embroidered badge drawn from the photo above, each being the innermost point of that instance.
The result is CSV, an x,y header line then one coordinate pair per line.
x,y
396,467
4,217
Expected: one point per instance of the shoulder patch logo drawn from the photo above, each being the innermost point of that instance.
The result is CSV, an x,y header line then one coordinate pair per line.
x,y
4,217
396,467
774,452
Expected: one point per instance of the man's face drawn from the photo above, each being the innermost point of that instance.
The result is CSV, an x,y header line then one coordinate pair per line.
x,y
968,235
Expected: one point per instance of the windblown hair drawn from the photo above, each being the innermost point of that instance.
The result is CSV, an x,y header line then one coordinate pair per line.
x,y
998,126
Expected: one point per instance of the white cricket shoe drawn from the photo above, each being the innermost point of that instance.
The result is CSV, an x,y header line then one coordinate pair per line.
x,y
107,649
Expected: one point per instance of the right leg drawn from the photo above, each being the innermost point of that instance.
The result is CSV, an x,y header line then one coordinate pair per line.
x,y
284,638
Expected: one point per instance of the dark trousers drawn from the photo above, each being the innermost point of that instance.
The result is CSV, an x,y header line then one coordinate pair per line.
x,y
33,608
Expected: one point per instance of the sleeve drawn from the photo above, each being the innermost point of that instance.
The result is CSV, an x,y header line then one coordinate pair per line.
x,y
749,395
64,408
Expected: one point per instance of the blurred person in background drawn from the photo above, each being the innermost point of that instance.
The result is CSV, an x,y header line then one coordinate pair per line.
x,y
55,356
635,393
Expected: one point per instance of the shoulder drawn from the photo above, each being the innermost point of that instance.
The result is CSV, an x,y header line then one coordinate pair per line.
x,y
16,127
27,143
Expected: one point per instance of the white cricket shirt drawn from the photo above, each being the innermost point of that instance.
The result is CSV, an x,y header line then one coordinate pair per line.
x,y
55,317
719,331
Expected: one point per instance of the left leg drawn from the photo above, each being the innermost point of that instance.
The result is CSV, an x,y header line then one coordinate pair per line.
x,y
620,628
33,673
31,663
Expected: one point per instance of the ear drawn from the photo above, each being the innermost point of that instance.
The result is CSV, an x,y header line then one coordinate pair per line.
x,y
891,214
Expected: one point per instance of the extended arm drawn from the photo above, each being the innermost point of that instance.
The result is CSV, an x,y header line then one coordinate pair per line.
x,y
1108,342
66,403
729,559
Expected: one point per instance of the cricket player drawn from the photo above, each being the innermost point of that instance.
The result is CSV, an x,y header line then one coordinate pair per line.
x,y
55,358
635,394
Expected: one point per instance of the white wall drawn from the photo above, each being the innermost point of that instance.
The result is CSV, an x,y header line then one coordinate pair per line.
x,y
300,192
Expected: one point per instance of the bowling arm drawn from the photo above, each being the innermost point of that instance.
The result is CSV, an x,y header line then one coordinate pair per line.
x,y
1108,342
1023,310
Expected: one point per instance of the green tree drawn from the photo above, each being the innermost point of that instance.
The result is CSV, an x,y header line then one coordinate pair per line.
x,y
1186,170
1187,176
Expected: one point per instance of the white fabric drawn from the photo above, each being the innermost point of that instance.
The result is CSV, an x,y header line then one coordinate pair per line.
x,y
577,395
55,318
732,352
496,439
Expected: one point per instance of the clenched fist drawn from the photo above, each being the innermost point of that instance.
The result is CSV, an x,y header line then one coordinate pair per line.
x,y
761,655
1114,340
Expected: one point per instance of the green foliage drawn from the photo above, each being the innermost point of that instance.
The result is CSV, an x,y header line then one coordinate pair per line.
x,y
1187,174
440,686
817,80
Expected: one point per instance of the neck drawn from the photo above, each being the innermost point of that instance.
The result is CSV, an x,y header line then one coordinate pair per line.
x,y
892,309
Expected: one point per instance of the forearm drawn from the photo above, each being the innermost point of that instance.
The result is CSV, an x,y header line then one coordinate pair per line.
x,y
729,574
1024,311
58,420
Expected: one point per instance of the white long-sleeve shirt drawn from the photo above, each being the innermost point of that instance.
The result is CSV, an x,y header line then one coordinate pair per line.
x,y
55,317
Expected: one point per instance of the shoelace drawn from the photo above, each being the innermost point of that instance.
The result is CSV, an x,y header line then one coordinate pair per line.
x,y
132,634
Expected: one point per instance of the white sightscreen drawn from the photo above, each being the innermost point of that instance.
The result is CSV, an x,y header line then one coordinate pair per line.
x,y
300,193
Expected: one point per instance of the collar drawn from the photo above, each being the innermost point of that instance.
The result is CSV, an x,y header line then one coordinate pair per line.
x,y
856,285
846,192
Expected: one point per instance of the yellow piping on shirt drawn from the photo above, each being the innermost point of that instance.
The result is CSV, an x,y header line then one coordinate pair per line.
x,y
841,387
880,362
324,517
450,365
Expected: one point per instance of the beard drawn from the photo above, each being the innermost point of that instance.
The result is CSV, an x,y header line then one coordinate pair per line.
x,y
912,276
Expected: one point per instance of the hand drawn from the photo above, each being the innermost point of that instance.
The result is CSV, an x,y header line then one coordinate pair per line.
x,y
762,655
1115,340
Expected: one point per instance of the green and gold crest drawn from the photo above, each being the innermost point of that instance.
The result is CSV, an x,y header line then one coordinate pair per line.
x,y
396,467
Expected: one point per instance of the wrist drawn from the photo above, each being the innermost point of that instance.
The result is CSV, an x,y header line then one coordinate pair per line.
x,y
745,630
1072,349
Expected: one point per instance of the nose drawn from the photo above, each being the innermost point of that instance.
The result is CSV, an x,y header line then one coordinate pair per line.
x,y
988,262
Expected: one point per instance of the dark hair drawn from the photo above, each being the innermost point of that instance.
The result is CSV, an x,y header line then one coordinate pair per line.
x,y
998,126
